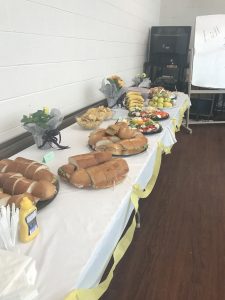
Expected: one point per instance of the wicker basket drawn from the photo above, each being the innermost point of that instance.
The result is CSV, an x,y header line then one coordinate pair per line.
x,y
88,124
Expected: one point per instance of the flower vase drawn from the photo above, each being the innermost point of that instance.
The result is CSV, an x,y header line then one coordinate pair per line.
x,y
47,135
38,139
111,101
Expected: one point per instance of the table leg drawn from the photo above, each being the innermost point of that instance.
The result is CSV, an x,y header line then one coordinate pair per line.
x,y
138,219
186,126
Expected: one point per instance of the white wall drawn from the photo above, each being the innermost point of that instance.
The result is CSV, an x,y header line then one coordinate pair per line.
x,y
55,52
184,13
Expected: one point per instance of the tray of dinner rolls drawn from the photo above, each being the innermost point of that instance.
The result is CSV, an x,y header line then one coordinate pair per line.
x,y
118,139
95,170
24,177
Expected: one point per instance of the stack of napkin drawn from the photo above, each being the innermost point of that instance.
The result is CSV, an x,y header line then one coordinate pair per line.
x,y
18,275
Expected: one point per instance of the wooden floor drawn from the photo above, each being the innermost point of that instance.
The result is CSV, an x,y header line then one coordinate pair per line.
x,y
179,252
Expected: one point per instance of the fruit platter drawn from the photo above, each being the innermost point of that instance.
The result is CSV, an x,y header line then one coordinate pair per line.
x,y
162,98
149,112
145,125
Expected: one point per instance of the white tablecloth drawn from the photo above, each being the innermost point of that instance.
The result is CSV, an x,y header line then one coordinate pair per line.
x,y
80,228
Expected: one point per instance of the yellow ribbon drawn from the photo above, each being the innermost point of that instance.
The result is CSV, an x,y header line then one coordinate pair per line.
x,y
96,292
177,124
181,114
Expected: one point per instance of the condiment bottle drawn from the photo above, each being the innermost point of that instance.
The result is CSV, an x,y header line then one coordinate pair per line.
x,y
27,220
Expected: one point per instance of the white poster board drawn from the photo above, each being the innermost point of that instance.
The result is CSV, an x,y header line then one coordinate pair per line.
x,y
209,52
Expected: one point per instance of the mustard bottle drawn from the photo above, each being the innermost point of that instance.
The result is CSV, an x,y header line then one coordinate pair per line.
x,y
27,221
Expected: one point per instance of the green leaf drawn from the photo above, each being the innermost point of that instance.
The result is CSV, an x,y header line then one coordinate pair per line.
x,y
39,118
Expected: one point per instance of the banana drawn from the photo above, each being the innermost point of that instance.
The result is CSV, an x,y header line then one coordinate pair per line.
x,y
134,96
141,100
135,102
134,106
133,93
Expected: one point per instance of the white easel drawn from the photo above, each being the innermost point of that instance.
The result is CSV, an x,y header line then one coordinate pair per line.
x,y
192,91
213,31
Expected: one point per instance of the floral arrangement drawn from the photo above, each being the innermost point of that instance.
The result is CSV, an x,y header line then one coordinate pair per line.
x,y
117,80
113,88
44,127
40,118
141,80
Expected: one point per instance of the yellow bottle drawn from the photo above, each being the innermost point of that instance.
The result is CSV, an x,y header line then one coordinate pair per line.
x,y
27,220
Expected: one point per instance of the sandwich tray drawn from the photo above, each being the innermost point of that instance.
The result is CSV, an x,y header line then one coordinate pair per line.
x,y
42,203
124,155
128,155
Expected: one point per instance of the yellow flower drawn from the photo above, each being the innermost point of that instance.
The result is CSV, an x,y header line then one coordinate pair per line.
x,y
46,110
121,83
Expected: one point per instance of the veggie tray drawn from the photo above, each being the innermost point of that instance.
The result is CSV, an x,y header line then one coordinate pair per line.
x,y
145,148
145,125
151,113
132,154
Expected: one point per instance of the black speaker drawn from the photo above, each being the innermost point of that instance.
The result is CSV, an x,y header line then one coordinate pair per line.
x,y
168,55
170,40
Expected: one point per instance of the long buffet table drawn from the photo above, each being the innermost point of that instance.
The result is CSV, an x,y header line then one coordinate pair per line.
x,y
80,229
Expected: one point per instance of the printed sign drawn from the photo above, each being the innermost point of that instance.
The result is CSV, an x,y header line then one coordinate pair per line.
x,y
209,52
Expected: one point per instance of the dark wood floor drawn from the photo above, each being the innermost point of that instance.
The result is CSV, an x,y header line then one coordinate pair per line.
x,y
179,252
